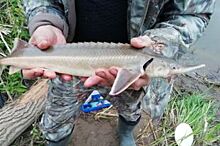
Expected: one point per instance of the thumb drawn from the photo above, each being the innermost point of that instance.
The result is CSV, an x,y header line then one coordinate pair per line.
x,y
141,41
43,37
42,42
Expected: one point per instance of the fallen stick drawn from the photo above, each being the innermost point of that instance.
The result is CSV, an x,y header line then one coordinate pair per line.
x,y
17,116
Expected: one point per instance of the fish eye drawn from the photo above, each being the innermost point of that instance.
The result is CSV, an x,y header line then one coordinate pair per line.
x,y
173,66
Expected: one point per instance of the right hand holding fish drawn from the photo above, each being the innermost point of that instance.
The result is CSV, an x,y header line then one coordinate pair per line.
x,y
43,37
106,77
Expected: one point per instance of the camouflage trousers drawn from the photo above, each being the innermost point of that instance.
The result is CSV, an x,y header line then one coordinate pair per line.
x,y
65,98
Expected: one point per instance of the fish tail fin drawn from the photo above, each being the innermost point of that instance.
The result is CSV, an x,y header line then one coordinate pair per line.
x,y
19,44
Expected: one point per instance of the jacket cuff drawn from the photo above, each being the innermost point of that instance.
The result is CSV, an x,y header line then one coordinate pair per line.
x,y
47,19
170,40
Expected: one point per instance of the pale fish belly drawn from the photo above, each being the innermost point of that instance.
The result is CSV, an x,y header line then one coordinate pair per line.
x,y
86,66
78,66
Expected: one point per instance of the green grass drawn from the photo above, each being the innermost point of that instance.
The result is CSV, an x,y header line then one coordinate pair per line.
x,y
36,135
12,25
195,110
12,84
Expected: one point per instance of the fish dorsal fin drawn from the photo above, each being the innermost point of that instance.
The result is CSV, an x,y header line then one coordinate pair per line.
x,y
20,44
13,70
124,79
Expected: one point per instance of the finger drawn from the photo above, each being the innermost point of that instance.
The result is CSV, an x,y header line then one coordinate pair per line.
x,y
105,83
28,74
105,74
60,39
49,74
114,71
143,81
43,44
32,73
92,81
142,41
41,41
66,77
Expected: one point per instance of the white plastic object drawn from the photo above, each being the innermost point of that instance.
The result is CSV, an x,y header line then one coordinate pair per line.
x,y
184,135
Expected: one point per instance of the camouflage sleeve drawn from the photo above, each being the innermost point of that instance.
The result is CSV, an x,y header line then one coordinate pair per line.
x,y
180,24
45,12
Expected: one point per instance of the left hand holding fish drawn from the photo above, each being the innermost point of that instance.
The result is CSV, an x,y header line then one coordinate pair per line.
x,y
44,37
106,77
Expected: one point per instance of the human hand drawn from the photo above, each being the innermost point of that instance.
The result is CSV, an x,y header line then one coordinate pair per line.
x,y
141,42
44,37
106,77
145,41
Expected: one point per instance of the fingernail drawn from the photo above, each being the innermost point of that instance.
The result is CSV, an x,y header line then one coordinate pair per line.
x,y
114,71
43,44
101,74
138,41
88,82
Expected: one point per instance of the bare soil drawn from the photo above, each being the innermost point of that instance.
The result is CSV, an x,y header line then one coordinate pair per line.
x,y
103,132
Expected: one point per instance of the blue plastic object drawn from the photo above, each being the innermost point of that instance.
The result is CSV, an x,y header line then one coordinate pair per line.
x,y
94,102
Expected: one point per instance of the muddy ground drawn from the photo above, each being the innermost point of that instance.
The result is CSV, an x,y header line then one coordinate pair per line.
x,y
102,132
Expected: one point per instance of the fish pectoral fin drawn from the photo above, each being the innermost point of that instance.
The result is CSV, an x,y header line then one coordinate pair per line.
x,y
123,80
13,70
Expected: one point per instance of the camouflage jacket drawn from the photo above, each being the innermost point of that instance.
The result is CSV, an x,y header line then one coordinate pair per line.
x,y
176,24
